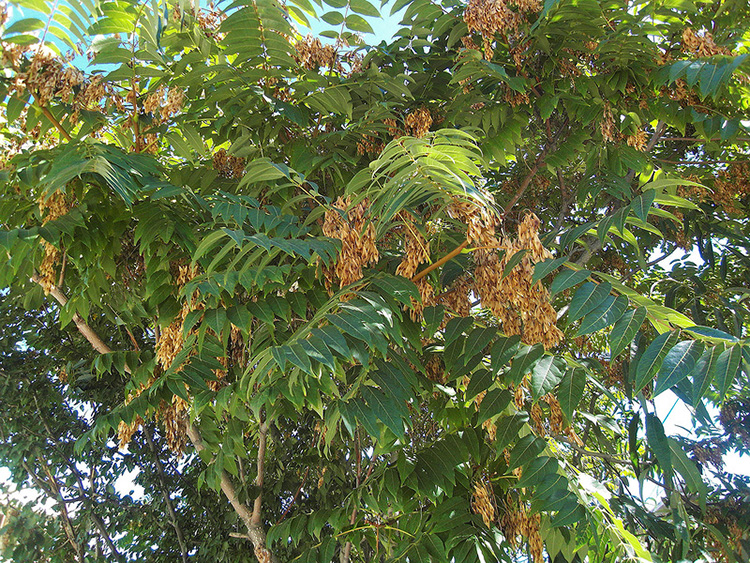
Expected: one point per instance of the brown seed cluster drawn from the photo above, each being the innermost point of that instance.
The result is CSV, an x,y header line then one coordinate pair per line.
x,y
228,166
709,451
51,208
351,225
516,521
521,306
735,418
369,144
418,122
46,76
730,186
701,44
416,251
482,501
311,54
607,125
489,17
164,103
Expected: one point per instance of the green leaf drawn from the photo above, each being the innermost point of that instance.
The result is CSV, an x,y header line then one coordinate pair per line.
x,y
494,402
528,448
358,23
546,374
480,381
625,329
539,469
678,364
385,409
571,390
477,340
710,333
727,367
508,427
589,296
609,311
689,471
567,279
456,327
642,204
652,358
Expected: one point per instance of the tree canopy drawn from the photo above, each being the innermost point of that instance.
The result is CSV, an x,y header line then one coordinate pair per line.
x,y
331,300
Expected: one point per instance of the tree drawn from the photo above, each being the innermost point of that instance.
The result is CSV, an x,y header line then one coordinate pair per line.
x,y
399,302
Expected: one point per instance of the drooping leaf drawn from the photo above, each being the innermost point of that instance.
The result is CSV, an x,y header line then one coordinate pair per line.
x,y
678,364
652,358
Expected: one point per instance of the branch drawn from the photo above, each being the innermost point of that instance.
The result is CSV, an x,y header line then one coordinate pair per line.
x,y
255,532
165,494
83,327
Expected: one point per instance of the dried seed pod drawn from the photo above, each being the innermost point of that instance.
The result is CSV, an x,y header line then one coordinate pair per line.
x,y
350,224
482,502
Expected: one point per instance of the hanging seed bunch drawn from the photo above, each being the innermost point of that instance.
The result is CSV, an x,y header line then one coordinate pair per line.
x,y
435,369
489,17
349,224
125,431
607,125
701,44
164,103
523,307
735,418
171,340
536,546
51,208
482,502
228,166
418,122
416,251
456,297
637,141
514,98
174,417
393,129
537,418
311,54
709,451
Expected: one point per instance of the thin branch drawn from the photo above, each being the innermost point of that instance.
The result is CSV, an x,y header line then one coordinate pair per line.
x,y
165,493
294,498
48,114
255,532
589,453
83,327
697,140
452,254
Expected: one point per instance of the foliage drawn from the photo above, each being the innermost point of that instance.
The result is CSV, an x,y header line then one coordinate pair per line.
x,y
353,302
